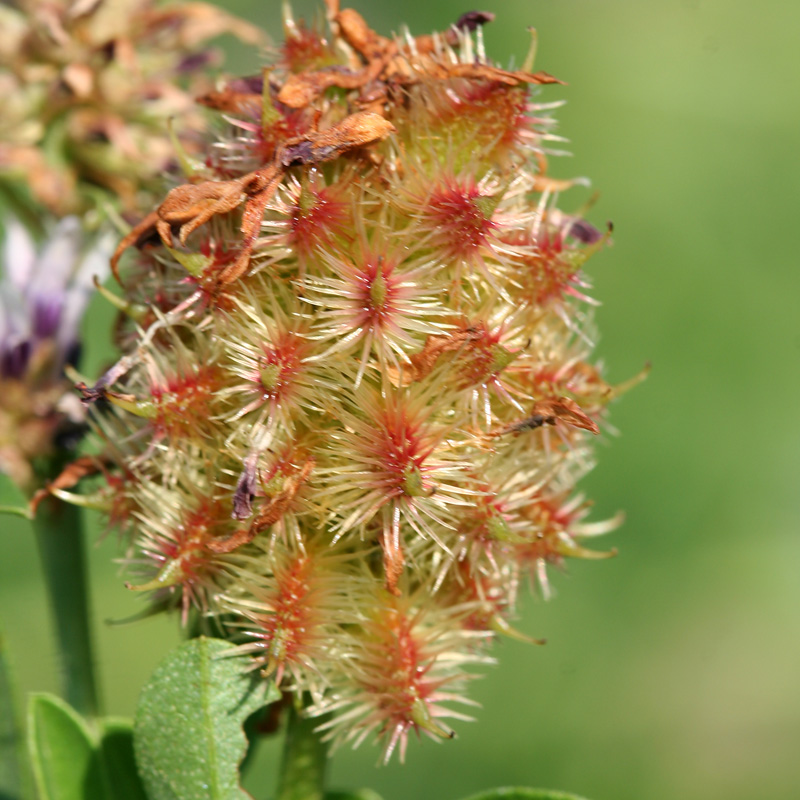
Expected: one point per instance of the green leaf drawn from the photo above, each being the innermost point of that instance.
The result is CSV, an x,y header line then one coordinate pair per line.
x,y
361,794
11,780
188,732
520,793
62,751
71,763
116,760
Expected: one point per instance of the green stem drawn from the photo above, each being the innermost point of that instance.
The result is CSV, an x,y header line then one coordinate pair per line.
x,y
305,760
13,778
59,534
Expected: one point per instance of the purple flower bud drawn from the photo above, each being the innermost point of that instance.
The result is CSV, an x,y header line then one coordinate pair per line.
x,y
14,360
43,295
584,232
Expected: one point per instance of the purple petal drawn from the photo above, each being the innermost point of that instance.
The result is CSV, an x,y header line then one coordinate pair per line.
x,y
81,288
15,322
58,258
46,312
19,253
14,361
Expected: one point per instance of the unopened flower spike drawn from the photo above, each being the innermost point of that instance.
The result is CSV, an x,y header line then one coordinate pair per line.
x,y
94,91
351,422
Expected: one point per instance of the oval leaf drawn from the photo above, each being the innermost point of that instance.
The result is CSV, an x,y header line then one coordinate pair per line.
x,y
188,733
521,793
62,751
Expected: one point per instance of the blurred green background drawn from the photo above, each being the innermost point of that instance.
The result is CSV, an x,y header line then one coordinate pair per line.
x,y
672,671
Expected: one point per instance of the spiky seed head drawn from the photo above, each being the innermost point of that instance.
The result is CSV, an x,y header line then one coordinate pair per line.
x,y
367,347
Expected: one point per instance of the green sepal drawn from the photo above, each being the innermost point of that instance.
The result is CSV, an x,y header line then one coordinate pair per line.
x,y
413,485
17,511
269,114
135,311
521,793
499,529
487,203
146,409
530,56
501,358
194,263
188,732
189,166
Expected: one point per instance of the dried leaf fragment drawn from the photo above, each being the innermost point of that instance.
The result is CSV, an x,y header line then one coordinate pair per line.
x,y
358,130
302,89
232,101
488,72
68,477
354,30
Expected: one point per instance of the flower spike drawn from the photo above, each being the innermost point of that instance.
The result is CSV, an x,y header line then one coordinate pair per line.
x,y
350,422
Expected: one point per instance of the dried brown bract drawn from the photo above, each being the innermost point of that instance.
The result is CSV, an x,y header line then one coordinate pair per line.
x,y
69,477
188,207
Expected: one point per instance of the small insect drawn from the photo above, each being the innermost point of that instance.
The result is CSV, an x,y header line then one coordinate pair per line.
x,y
550,412
274,507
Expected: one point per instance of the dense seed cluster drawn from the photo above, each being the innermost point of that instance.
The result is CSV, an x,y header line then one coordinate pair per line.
x,y
356,397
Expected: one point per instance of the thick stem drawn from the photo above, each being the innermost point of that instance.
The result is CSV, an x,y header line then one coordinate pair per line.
x,y
305,760
13,778
59,535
